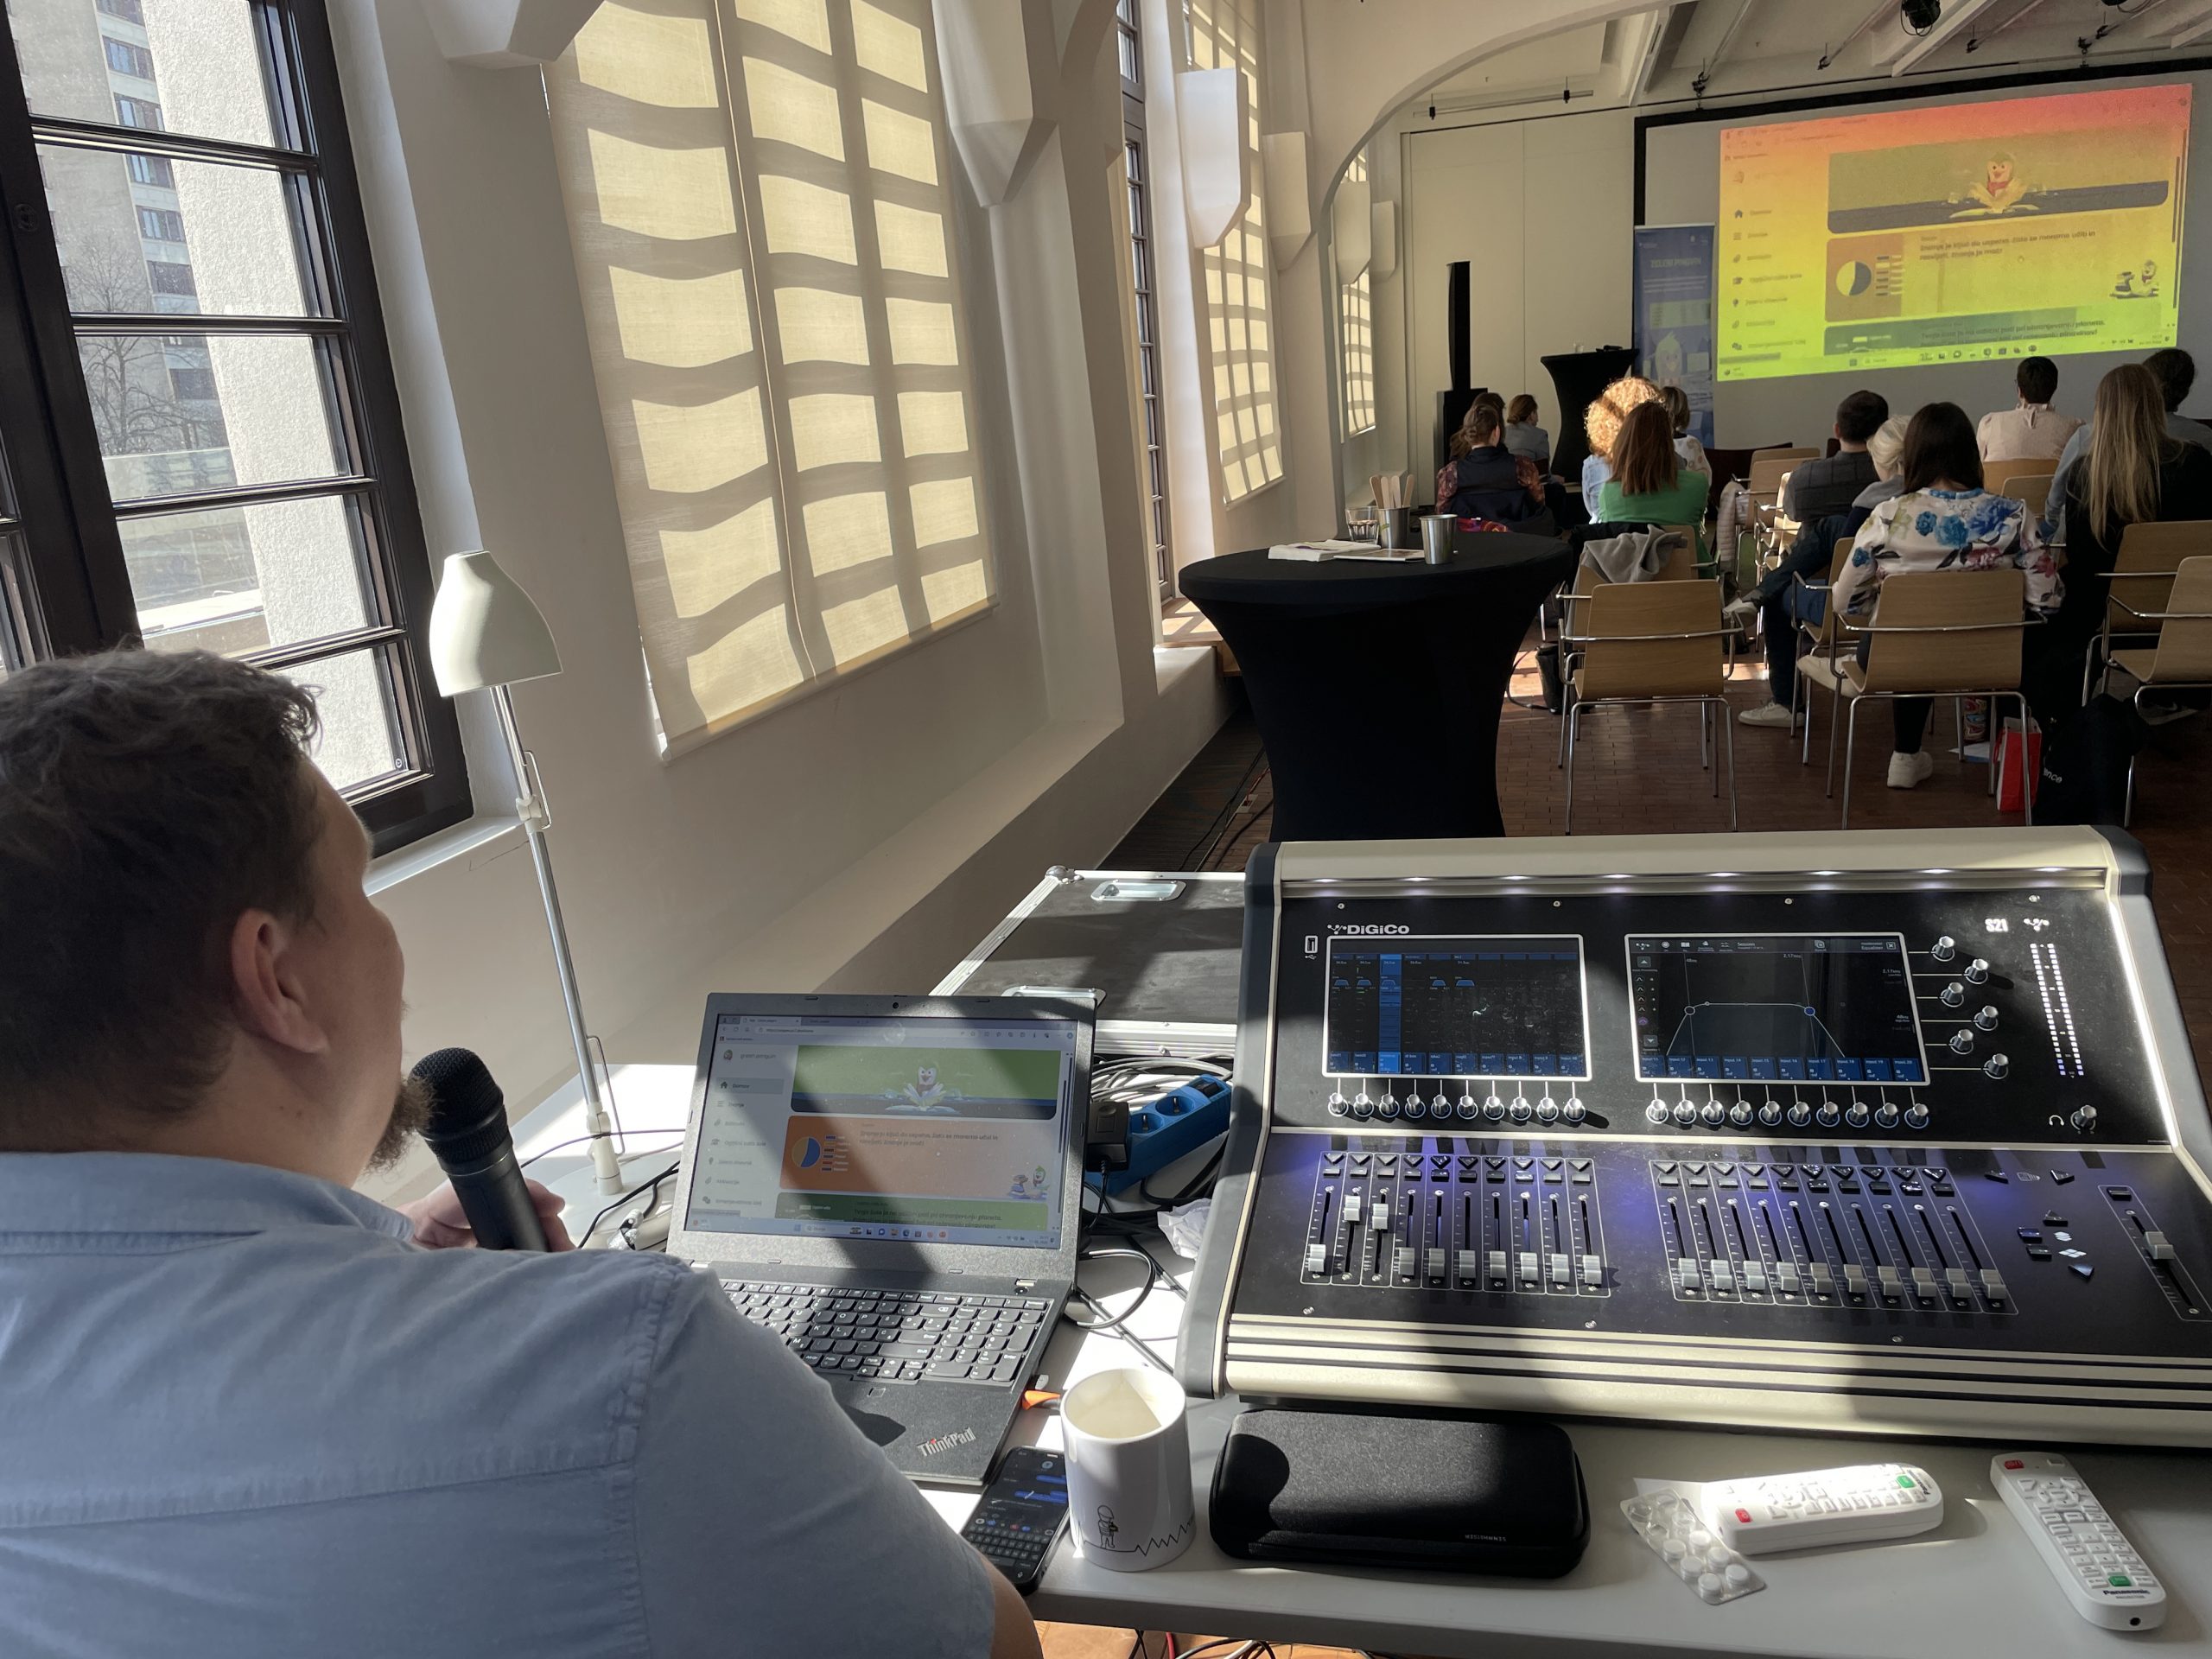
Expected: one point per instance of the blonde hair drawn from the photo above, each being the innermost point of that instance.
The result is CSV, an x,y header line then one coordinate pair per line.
x,y
1480,428
1646,463
1678,407
1602,424
1886,448
2119,481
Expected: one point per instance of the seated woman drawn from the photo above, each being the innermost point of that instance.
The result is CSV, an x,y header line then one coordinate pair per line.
x,y
1650,485
1522,436
1685,444
1945,520
1484,479
2131,473
1601,424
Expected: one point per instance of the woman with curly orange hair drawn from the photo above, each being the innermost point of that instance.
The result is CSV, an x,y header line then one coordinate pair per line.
x,y
1601,424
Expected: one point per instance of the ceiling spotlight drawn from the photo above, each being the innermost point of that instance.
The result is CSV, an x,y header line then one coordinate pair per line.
x,y
1918,17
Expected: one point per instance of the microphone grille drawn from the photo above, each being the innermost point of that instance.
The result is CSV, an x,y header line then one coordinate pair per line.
x,y
468,1116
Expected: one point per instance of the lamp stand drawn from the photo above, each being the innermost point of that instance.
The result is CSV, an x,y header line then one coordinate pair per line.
x,y
537,818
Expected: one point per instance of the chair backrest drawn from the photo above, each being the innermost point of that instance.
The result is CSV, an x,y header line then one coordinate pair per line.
x,y
2143,569
1824,636
1783,452
2024,481
1980,614
1682,554
1770,470
1654,667
2184,653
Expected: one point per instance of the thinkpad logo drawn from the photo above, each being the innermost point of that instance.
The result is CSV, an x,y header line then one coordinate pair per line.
x,y
946,1442
1370,928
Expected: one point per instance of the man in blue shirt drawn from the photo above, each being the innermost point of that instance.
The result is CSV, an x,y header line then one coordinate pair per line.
x,y
247,1413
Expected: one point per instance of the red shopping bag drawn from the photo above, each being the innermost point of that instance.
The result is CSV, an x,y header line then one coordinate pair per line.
x,y
2012,774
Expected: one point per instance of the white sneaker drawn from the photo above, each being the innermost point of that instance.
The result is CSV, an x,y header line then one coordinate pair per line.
x,y
1768,714
1911,770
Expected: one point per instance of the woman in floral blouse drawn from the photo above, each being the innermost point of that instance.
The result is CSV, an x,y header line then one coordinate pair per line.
x,y
1944,521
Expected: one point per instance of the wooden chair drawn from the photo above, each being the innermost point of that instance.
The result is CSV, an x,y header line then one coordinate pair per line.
x,y
1819,665
1651,642
2181,659
1680,566
2024,481
1937,634
2141,582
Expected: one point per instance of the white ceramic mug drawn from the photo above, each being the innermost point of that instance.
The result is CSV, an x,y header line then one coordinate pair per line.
x,y
1128,1451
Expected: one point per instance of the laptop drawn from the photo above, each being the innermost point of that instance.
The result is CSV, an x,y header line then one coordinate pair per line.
x,y
893,1185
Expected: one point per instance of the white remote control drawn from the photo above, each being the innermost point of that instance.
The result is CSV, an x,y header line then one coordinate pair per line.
x,y
1828,1506
2092,1560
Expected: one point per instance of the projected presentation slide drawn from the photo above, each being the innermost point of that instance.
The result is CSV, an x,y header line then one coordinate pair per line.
x,y
1999,230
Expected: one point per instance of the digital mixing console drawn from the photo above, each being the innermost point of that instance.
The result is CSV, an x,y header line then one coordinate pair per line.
x,y
1910,1141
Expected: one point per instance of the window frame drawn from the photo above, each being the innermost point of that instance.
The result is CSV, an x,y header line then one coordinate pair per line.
x,y
70,580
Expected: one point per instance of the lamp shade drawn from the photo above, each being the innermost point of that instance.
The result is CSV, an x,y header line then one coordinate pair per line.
x,y
485,630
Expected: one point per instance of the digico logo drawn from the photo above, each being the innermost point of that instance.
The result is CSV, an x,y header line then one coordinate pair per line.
x,y
1368,928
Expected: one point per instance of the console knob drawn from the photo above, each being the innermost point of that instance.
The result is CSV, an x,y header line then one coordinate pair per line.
x,y
1856,1116
1829,1114
1468,1109
1886,1116
1521,1111
1338,1104
1494,1109
2084,1118
1714,1113
1655,1112
1415,1106
1953,994
1916,1116
1962,1041
1388,1106
1574,1111
1547,1110
1684,1113
1770,1114
1740,1114
1944,949
1985,1017
1998,1064
1361,1106
1441,1106
1977,971
1800,1113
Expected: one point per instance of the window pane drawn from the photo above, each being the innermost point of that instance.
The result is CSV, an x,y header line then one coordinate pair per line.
x,y
173,66
360,740
179,412
212,238
235,580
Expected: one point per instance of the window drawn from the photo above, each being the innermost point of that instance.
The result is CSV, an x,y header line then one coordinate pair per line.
x,y
759,203
1144,314
1130,46
1225,34
128,60
1357,327
212,458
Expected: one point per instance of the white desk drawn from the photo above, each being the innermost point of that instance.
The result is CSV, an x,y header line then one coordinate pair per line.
x,y
1972,1587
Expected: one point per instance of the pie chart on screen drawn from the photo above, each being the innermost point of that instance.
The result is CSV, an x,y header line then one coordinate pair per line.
x,y
809,1153
1853,278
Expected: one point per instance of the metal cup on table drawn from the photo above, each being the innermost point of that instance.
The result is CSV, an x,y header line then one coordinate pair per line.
x,y
1398,526
1436,529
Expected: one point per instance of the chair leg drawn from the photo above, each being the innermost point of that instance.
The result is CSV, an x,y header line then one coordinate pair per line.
x,y
1835,725
1850,743
1573,714
1728,741
1996,762
1959,720
1705,738
2030,775
1566,705
1996,739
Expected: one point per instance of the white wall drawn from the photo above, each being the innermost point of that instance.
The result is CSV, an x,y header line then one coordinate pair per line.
x,y
862,837
1682,187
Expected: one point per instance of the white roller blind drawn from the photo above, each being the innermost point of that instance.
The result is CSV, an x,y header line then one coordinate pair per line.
x,y
1240,299
758,201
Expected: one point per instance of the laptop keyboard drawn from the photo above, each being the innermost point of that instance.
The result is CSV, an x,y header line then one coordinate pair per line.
x,y
897,1335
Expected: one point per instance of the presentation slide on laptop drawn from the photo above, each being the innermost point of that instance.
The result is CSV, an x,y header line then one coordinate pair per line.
x,y
943,1131
1997,230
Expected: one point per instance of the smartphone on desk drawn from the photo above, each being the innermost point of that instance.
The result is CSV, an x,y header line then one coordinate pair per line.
x,y
1020,1515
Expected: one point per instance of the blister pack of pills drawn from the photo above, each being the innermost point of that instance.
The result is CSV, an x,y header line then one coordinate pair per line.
x,y
1693,1551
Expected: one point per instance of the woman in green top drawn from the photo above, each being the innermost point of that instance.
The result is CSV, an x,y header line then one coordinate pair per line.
x,y
1649,484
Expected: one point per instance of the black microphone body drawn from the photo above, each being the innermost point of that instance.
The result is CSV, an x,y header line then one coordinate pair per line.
x,y
468,1132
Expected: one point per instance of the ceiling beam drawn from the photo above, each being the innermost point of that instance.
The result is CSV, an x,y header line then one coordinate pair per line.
x,y
1719,55
1957,17
1883,8
2193,28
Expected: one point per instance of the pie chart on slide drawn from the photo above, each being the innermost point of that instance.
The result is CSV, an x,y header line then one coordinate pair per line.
x,y
1853,278
809,1153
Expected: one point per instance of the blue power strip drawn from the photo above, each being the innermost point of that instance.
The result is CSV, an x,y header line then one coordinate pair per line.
x,y
1172,1127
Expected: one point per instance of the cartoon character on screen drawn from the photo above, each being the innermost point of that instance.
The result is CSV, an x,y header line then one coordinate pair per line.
x,y
924,1094
2000,190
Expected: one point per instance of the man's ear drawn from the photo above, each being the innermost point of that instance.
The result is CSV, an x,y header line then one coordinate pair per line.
x,y
266,984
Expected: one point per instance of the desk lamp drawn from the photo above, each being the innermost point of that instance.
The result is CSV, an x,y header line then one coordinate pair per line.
x,y
486,635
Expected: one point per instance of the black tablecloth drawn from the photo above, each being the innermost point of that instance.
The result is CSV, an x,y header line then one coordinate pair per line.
x,y
1377,687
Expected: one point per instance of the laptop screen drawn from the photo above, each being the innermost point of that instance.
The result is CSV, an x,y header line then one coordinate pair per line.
x,y
949,1131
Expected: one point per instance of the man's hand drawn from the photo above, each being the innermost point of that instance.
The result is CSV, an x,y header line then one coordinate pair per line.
x,y
441,1225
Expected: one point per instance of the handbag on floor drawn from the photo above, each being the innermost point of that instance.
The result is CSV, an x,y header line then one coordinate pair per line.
x,y
2084,774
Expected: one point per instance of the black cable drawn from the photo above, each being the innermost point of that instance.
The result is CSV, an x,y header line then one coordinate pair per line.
x,y
652,1186
1201,1182
1228,838
1228,807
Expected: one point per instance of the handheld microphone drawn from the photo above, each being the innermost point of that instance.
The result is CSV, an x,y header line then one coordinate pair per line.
x,y
468,1132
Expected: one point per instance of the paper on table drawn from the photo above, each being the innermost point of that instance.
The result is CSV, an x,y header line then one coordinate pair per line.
x,y
1315,552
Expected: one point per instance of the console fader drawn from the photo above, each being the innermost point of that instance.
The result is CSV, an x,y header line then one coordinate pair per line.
x,y
1899,1143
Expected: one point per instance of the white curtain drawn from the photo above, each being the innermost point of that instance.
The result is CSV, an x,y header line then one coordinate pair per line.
x,y
759,199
